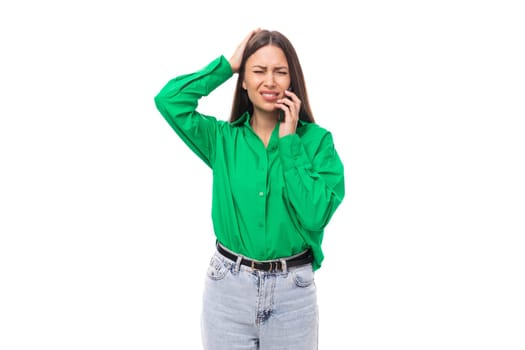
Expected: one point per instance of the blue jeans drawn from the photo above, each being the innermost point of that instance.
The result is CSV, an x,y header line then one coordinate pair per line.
x,y
245,309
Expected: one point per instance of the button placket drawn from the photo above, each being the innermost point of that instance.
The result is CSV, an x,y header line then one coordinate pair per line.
x,y
261,192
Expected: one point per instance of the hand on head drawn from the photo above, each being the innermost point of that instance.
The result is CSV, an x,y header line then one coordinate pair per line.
x,y
236,58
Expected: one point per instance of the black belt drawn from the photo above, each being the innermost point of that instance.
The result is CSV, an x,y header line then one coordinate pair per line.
x,y
269,265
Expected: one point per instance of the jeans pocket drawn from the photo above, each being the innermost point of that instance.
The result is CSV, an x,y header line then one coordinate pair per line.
x,y
217,269
303,276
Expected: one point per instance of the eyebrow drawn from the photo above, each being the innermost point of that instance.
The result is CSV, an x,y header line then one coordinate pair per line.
x,y
265,67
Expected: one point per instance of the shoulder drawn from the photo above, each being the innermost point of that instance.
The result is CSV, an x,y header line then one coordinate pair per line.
x,y
227,128
312,132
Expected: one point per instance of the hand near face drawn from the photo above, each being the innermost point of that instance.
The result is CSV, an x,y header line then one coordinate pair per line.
x,y
236,58
290,105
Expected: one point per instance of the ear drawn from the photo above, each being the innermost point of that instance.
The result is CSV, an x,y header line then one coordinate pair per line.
x,y
244,85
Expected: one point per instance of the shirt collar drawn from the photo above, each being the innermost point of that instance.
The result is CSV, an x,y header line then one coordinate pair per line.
x,y
245,119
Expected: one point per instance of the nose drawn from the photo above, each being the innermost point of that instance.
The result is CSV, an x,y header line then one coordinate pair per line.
x,y
269,79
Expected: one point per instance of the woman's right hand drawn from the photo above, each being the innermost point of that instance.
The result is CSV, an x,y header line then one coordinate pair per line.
x,y
235,60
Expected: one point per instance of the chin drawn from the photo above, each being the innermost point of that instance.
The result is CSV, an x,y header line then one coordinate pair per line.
x,y
266,109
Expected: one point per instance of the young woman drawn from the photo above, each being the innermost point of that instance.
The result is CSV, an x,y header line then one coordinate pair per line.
x,y
277,181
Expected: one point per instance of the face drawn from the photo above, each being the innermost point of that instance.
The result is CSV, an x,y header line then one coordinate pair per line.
x,y
266,76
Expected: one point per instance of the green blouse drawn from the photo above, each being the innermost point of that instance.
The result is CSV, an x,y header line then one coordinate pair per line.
x,y
268,202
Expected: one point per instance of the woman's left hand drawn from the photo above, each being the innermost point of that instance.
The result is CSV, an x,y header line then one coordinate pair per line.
x,y
290,105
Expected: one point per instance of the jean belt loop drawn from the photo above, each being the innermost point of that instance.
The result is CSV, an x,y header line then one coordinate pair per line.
x,y
284,266
238,264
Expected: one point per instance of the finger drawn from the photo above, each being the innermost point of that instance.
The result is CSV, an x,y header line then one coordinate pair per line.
x,y
250,34
289,108
293,105
285,104
235,60
286,110
291,95
283,107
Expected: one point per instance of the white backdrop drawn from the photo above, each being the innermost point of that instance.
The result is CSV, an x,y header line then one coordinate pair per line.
x,y
105,229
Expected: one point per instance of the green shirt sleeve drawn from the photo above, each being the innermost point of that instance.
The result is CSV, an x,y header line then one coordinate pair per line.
x,y
178,100
314,180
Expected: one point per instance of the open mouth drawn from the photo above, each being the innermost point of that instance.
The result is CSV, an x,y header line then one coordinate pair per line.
x,y
270,96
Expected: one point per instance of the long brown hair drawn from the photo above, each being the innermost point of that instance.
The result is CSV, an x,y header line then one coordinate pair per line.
x,y
241,102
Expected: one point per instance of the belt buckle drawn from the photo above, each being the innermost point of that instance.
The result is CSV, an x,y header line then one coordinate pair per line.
x,y
260,269
273,266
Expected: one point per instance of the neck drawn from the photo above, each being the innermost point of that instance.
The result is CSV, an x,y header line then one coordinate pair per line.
x,y
263,126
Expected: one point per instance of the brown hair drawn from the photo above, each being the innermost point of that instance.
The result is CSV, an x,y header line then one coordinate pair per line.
x,y
241,102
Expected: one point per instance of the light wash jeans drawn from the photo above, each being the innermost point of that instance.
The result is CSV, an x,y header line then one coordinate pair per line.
x,y
245,309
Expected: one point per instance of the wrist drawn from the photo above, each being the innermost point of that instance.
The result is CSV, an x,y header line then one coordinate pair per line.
x,y
234,67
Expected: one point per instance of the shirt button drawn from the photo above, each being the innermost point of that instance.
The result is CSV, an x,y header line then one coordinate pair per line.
x,y
261,194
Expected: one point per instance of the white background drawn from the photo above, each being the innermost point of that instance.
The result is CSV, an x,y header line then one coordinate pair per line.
x,y
105,215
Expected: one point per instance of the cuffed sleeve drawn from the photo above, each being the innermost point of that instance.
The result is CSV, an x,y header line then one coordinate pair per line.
x,y
314,181
177,102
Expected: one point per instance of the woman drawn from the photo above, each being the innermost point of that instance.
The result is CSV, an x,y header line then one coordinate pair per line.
x,y
277,181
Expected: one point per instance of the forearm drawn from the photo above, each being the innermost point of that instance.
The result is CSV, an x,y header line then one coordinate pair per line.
x,y
178,101
180,96
315,187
